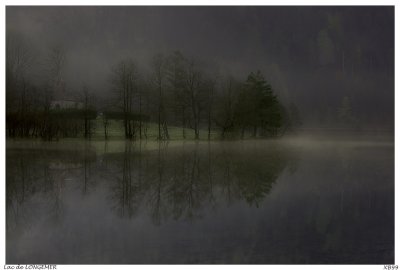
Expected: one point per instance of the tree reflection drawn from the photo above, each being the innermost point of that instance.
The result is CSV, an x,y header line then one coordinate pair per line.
x,y
127,186
256,175
180,182
46,174
155,198
188,190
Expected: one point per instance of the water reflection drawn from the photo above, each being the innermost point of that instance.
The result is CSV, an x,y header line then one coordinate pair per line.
x,y
179,183
170,182
225,202
33,174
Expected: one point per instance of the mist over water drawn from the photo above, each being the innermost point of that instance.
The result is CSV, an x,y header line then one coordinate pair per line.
x,y
199,135
262,201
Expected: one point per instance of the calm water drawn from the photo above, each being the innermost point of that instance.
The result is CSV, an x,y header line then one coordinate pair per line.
x,y
270,202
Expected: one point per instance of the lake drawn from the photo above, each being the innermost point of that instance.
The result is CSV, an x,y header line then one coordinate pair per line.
x,y
291,201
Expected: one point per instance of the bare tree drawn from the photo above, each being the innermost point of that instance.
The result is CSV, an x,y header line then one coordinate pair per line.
x,y
159,80
209,90
54,86
176,76
105,125
19,91
193,88
125,79
19,57
225,100
87,100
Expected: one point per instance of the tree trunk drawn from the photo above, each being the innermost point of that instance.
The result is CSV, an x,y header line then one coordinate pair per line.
x,y
242,133
255,131
196,135
165,130
140,115
183,124
209,125
126,126
105,131
86,127
159,110
159,123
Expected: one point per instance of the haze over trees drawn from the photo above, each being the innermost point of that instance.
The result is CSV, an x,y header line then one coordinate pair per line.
x,y
323,67
177,91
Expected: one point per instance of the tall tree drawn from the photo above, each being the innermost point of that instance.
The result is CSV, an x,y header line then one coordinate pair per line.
x,y
176,77
125,80
88,110
225,101
210,85
160,80
193,87
258,107
19,62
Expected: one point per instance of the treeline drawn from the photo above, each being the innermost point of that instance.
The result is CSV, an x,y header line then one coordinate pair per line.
x,y
32,84
182,92
174,91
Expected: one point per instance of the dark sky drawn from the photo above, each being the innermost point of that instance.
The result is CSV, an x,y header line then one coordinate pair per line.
x,y
311,55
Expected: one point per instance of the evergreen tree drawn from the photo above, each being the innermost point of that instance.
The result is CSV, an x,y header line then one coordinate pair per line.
x,y
258,108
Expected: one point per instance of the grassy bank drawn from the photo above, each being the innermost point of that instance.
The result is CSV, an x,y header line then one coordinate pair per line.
x,y
116,131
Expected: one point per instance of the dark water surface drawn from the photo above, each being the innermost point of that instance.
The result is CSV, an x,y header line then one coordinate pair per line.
x,y
270,202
